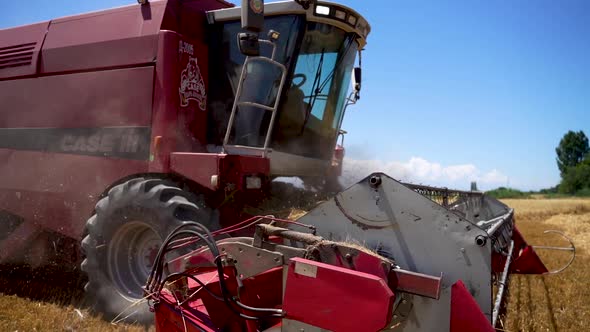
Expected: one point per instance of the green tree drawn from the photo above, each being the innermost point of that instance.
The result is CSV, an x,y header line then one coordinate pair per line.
x,y
572,149
576,179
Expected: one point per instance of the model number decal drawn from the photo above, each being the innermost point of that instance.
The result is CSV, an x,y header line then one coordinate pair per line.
x,y
184,47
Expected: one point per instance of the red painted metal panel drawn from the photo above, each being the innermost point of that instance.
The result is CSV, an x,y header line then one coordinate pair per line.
x,y
19,49
248,164
180,96
218,311
526,260
169,319
10,247
336,298
191,90
198,167
116,37
83,100
165,102
181,14
263,291
58,191
416,283
528,263
466,316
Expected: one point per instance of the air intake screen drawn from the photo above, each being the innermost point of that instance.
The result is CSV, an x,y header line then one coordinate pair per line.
x,y
17,55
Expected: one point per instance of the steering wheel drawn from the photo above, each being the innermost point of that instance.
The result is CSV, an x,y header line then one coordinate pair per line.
x,y
303,80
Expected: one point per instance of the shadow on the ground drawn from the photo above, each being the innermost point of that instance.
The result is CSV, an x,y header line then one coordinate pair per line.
x,y
53,284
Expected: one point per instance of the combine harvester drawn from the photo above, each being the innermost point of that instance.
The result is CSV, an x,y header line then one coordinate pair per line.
x,y
133,139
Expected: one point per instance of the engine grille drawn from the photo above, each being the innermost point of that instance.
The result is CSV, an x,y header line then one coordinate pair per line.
x,y
16,55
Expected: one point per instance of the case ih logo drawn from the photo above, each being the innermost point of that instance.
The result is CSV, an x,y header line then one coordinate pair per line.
x,y
192,86
117,142
103,142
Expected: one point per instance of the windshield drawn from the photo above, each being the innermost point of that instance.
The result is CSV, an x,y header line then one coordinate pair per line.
x,y
225,66
313,104
319,59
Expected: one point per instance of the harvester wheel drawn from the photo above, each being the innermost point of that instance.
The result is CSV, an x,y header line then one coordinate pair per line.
x,y
124,236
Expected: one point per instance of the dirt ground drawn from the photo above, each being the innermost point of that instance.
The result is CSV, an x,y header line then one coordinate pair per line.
x,y
536,303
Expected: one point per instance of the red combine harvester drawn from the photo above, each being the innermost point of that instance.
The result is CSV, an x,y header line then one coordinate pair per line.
x,y
116,126
131,140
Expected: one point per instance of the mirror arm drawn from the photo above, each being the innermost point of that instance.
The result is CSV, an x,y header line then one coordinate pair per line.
x,y
305,4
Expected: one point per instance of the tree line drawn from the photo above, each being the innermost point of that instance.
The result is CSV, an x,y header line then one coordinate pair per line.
x,y
573,161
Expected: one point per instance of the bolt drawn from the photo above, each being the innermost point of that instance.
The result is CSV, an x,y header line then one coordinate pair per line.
x,y
480,240
375,181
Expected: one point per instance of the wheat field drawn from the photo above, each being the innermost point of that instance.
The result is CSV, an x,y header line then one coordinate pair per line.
x,y
535,303
552,302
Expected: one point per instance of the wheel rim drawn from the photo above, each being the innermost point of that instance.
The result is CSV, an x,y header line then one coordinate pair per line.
x,y
131,254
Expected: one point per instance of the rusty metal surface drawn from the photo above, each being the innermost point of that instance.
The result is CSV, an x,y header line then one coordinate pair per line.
x,y
263,231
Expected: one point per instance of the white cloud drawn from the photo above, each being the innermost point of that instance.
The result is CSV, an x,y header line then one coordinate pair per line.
x,y
494,176
420,170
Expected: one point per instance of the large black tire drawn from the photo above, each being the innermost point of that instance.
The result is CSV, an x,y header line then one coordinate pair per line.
x,y
124,235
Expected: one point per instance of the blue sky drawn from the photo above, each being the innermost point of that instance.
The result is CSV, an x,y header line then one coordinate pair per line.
x,y
453,91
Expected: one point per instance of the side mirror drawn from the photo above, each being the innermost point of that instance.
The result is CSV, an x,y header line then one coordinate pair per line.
x,y
356,79
252,21
249,44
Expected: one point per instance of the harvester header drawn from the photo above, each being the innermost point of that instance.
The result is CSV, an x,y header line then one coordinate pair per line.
x,y
379,256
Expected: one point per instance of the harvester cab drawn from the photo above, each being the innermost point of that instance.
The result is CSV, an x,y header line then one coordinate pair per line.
x,y
287,82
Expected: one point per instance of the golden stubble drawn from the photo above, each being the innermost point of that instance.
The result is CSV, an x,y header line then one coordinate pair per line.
x,y
558,302
535,303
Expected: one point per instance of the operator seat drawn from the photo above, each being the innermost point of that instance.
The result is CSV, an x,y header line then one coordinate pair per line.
x,y
292,115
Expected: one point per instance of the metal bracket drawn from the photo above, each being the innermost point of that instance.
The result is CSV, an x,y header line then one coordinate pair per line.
x,y
502,285
250,261
403,308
